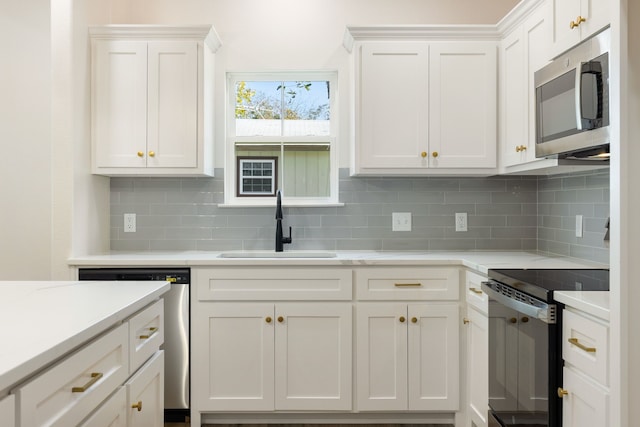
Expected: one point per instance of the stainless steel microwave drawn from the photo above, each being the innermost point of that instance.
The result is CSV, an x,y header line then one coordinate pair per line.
x,y
572,102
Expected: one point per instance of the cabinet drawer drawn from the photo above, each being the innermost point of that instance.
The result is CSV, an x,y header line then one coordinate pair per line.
x,y
585,345
281,284
395,283
8,410
473,290
146,334
66,393
112,413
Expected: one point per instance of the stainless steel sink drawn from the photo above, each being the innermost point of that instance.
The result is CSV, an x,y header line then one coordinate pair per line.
x,y
274,254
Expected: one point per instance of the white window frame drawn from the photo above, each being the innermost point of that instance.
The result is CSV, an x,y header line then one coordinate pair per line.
x,y
230,172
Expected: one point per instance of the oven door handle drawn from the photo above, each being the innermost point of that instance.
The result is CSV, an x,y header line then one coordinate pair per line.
x,y
541,313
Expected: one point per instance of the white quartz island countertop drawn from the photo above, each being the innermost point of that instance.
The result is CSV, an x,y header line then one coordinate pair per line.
x,y
42,321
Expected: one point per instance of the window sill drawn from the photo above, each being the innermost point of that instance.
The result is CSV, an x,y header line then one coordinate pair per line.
x,y
285,204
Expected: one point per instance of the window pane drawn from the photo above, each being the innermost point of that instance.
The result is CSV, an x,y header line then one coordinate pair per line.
x,y
306,170
264,107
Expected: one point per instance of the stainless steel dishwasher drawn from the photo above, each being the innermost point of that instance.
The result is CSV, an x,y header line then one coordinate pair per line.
x,y
176,329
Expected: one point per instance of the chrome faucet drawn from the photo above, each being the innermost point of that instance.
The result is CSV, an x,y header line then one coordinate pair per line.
x,y
280,240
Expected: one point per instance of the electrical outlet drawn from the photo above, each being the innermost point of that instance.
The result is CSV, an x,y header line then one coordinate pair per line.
x,y
578,225
401,221
130,223
461,221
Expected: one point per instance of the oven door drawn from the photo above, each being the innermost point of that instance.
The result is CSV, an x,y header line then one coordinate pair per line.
x,y
523,366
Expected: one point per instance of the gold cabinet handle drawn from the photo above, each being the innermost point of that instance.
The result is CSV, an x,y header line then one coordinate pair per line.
x,y
423,154
434,154
466,321
519,148
152,153
525,319
476,290
280,319
268,319
574,341
513,320
137,406
414,320
407,285
401,319
95,376
140,154
523,148
562,392
579,20
152,332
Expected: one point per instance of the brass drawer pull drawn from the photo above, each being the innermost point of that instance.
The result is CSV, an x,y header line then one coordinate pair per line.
x,y
574,341
407,285
476,290
95,376
137,406
152,332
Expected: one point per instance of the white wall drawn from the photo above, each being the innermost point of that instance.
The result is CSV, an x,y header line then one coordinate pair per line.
x,y
25,140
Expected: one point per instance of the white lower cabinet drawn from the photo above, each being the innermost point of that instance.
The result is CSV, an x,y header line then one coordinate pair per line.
x,y
92,386
477,367
145,394
407,356
274,356
586,403
8,410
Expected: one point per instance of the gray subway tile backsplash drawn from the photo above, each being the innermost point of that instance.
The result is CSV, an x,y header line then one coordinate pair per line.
x,y
504,213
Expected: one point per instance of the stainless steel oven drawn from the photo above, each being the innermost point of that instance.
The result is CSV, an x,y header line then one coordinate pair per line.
x,y
525,332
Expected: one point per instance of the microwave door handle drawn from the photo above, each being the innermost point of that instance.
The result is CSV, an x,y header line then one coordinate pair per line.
x,y
578,97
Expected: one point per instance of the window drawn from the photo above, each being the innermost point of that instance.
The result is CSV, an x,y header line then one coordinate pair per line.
x,y
281,135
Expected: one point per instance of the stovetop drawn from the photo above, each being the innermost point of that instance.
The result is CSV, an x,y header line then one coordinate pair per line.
x,y
541,283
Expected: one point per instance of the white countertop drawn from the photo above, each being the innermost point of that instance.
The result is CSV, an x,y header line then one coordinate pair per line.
x,y
595,303
42,321
480,261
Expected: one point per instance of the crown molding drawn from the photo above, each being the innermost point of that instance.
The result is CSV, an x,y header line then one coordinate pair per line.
x,y
205,33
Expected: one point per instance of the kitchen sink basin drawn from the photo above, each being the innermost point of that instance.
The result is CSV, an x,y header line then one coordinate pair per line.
x,y
274,254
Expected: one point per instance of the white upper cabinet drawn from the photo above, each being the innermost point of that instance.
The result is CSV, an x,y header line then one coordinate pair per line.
x,y
152,97
576,20
423,107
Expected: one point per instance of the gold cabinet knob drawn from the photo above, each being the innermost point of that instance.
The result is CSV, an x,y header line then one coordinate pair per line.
x,y
423,154
152,153
402,319
434,154
140,154
513,320
580,19
466,321
523,148
519,148
280,319
268,319
562,392
137,406
414,320
525,319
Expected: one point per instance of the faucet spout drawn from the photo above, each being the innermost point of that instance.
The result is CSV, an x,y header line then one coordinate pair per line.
x,y
280,239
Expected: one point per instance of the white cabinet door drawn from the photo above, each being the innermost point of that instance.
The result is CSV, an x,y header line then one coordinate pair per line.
x,y
119,98
145,394
112,413
8,410
585,404
595,16
233,346
313,356
514,100
433,361
382,356
503,368
477,367
392,105
407,357
172,139
463,105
